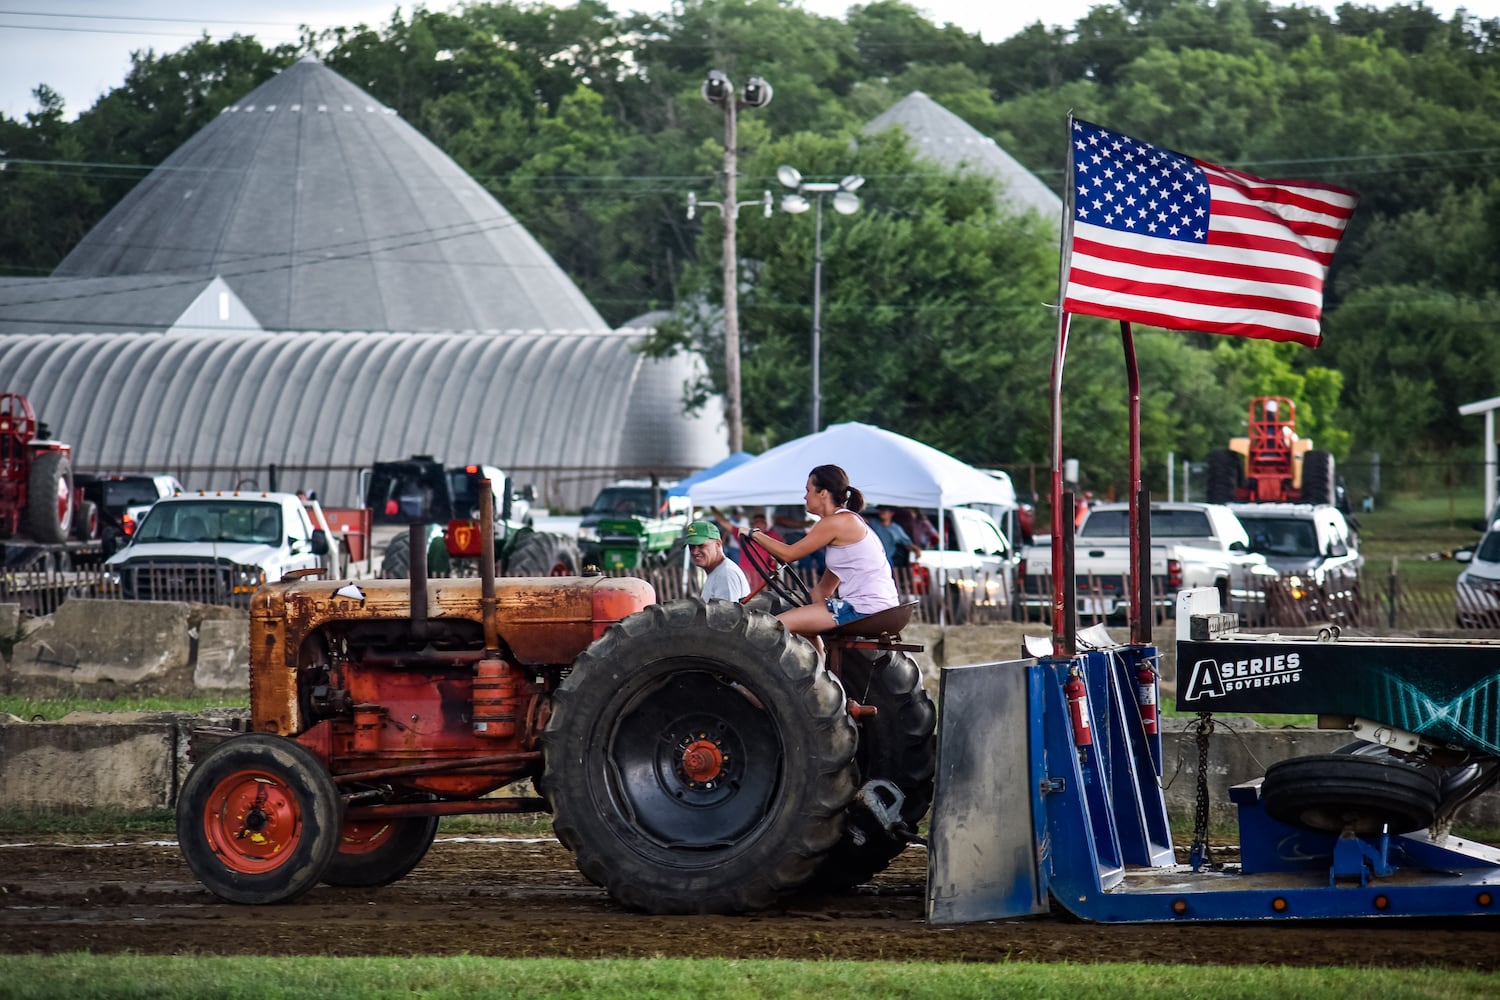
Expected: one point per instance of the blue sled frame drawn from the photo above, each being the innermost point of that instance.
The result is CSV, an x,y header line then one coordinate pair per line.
x,y
1025,820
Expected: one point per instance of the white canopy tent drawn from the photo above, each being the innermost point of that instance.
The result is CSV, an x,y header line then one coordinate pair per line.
x,y
886,467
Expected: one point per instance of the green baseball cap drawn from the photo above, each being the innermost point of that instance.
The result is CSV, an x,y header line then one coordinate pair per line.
x,y
702,531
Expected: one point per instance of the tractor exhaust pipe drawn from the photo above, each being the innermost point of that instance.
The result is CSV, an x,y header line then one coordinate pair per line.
x,y
417,534
487,568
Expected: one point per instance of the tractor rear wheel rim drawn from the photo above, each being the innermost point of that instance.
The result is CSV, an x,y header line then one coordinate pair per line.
x,y
695,762
64,500
365,836
252,821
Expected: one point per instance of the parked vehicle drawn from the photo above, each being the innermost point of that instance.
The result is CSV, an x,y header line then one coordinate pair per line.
x,y
633,523
451,496
1477,592
1192,545
1314,550
975,561
122,501
218,547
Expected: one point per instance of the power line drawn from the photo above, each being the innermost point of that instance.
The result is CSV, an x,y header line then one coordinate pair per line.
x,y
137,17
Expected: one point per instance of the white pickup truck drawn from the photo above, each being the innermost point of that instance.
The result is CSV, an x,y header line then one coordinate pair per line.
x,y
218,547
1192,545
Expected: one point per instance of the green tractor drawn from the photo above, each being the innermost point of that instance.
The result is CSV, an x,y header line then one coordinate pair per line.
x,y
450,498
633,524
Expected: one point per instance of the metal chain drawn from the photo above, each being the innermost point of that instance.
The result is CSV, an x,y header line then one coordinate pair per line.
x,y
1201,852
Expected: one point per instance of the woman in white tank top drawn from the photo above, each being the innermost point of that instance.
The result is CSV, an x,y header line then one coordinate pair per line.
x,y
857,567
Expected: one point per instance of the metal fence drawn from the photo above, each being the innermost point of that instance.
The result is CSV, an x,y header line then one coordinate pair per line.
x,y
1377,602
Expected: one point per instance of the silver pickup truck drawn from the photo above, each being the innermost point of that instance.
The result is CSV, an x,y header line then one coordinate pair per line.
x,y
1192,545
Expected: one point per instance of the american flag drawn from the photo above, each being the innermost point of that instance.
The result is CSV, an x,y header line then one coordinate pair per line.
x,y
1167,240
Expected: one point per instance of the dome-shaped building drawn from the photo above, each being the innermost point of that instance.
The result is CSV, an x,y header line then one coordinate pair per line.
x,y
309,282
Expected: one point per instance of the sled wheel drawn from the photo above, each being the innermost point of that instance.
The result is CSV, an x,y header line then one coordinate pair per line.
x,y
1225,474
258,819
542,553
1331,792
898,745
699,760
1318,484
49,498
379,851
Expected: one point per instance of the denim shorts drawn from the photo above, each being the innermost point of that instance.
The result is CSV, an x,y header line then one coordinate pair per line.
x,y
843,612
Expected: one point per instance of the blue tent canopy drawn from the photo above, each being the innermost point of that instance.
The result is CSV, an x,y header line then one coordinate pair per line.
x,y
683,487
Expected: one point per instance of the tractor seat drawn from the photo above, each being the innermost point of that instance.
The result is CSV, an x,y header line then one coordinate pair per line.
x,y
888,622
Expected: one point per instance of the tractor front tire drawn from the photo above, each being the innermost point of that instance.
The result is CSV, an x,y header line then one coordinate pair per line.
x,y
699,759
49,498
898,744
1225,475
395,563
544,553
1318,483
379,851
258,819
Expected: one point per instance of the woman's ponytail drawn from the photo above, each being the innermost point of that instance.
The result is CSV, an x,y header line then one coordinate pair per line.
x,y
836,481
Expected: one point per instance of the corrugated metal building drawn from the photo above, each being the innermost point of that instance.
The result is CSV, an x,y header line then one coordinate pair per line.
x,y
309,282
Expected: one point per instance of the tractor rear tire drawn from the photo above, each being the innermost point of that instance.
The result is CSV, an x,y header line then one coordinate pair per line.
x,y
1318,483
543,553
699,759
1225,475
899,745
1332,791
380,851
49,498
258,819
395,564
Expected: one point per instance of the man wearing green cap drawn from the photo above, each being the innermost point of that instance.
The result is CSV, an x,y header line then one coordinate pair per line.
x,y
725,581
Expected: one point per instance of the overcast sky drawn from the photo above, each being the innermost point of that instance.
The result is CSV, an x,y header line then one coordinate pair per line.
x,y
81,48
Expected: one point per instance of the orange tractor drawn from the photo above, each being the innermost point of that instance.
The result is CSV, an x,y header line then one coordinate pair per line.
x,y
695,757
1272,463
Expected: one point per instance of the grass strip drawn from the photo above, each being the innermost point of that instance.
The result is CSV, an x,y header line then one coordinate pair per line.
x,y
124,977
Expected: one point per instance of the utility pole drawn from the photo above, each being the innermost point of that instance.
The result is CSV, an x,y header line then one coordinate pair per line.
x,y
719,91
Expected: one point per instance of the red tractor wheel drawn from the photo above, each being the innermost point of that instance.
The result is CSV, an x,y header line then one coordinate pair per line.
x,y
258,819
379,851
49,498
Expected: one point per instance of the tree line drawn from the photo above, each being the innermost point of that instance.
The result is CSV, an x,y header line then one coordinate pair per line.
x,y
938,315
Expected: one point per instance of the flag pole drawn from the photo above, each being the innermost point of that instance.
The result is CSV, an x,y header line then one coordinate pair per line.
x,y
1140,505
1064,627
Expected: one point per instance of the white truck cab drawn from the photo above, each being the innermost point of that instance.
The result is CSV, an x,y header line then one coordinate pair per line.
x,y
218,546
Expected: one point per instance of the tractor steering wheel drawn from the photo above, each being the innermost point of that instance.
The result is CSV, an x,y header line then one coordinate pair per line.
x,y
786,585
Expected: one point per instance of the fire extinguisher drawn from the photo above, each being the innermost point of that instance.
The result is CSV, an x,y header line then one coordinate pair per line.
x,y
1145,698
1076,695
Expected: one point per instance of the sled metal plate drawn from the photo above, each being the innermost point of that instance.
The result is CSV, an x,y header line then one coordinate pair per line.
x,y
982,856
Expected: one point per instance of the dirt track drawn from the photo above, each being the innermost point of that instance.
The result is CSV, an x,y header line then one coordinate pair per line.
x,y
524,899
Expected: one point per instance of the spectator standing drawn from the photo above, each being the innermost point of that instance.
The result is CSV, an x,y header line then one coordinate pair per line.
x,y
897,544
725,581
922,533
748,551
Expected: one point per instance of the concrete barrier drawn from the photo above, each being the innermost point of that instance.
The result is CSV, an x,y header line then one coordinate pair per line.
x,y
136,761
